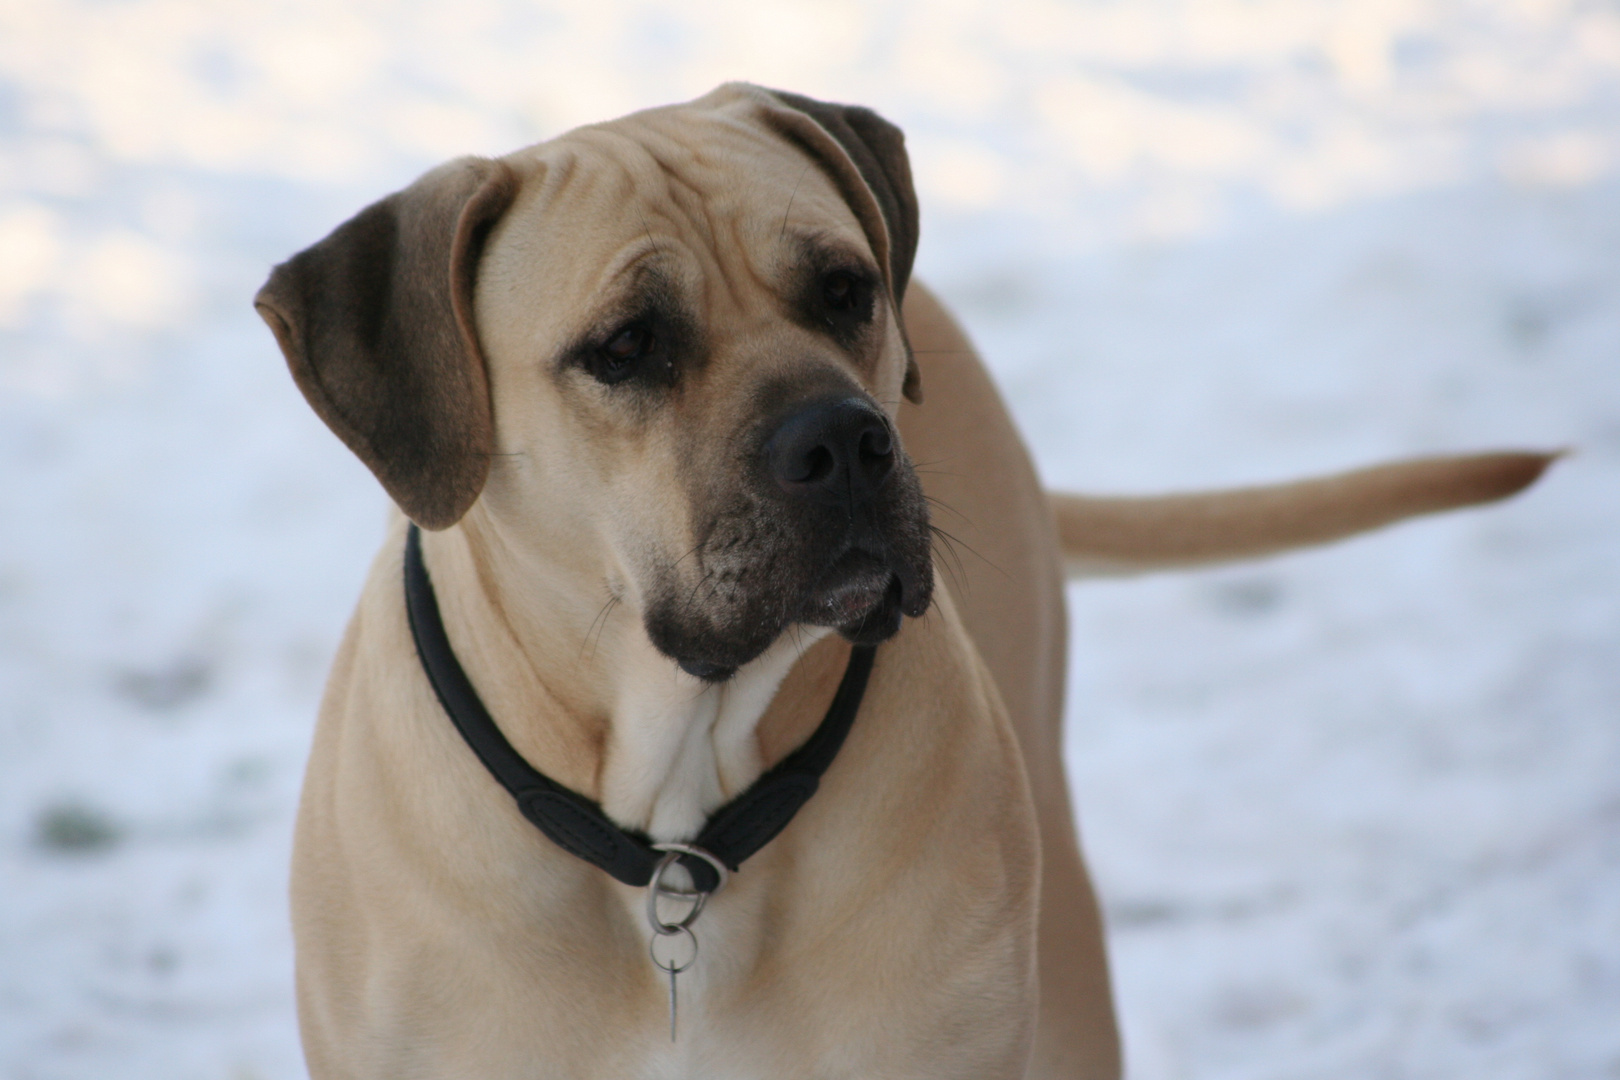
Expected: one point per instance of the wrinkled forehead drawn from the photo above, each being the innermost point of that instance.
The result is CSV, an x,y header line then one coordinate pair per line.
x,y
709,198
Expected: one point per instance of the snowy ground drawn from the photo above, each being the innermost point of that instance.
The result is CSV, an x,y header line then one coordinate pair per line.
x,y
1353,813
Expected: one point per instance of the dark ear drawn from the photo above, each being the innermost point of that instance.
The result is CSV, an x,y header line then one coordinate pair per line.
x,y
376,322
878,151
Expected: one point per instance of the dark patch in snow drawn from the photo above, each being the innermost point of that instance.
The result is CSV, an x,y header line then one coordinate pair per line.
x,y
184,680
1247,598
75,828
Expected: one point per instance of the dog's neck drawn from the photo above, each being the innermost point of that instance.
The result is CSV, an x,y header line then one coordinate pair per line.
x,y
680,747
578,688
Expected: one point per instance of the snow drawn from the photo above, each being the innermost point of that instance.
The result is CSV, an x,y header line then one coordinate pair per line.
x,y
1353,812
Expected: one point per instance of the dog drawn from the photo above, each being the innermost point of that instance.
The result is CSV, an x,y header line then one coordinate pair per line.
x,y
649,398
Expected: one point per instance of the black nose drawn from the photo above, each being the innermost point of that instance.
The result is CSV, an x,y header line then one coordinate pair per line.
x,y
832,450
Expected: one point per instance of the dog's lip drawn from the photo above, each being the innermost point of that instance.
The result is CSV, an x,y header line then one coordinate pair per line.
x,y
702,669
916,589
849,590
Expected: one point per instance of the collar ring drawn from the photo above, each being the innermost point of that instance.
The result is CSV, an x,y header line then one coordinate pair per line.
x,y
696,897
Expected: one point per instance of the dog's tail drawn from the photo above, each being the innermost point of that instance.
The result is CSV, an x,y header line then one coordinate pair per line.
x,y
1104,536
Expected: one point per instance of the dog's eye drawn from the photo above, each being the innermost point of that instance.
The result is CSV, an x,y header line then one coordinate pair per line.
x,y
841,291
623,354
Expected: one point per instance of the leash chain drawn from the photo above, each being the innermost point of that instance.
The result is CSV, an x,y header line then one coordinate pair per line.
x,y
671,934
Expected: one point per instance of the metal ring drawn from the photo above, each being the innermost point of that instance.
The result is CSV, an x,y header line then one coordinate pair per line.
x,y
696,897
720,870
655,889
652,950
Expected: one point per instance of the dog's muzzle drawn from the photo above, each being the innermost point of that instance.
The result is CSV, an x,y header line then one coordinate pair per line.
x,y
839,457
827,527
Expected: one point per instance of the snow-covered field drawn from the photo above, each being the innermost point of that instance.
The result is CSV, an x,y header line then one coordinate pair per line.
x,y
1354,813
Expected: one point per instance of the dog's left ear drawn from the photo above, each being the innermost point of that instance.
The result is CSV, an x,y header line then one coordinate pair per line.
x,y
880,191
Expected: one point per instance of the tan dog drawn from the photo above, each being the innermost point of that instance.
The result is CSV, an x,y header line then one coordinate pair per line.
x,y
644,383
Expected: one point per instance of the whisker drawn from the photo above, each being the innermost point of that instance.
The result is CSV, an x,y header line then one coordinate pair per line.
x,y
927,468
691,597
798,640
953,565
957,539
646,229
791,197
943,505
599,624
694,549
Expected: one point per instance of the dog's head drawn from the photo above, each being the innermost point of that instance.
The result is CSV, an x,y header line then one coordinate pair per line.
x,y
676,338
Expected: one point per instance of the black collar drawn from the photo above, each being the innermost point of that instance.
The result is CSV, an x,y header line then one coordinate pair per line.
x,y
578,825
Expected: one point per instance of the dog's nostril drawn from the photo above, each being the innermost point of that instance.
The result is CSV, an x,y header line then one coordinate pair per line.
x,y
876,450
819,465
809,467
876,444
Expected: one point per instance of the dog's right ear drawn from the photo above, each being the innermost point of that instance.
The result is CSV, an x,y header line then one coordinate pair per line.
x,y
376,322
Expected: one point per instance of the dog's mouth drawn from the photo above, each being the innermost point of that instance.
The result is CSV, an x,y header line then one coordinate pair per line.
x,y
849,591
863,597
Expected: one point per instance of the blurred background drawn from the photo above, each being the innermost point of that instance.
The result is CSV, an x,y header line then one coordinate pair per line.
x,y
1352,813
